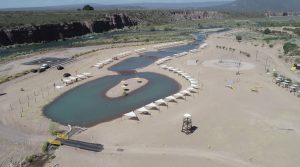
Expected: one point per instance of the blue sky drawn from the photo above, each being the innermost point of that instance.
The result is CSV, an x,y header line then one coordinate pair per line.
x,y
38,3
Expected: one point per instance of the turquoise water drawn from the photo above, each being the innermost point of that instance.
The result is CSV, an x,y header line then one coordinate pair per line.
x,y
132,63
150,57
87,104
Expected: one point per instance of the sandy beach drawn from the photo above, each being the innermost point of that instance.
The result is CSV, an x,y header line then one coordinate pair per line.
x,y
235,127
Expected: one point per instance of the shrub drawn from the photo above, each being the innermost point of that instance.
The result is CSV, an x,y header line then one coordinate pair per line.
x,y
286,60
267,31
152,29
271,45
297,60
168,29
53,128
238,37
29,159
45,147
288,47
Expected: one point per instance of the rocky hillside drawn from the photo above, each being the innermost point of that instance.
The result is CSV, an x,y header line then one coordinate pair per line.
x,y
263,5
52,32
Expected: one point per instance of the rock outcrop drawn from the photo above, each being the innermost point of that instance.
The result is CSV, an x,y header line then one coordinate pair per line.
x,y
52,32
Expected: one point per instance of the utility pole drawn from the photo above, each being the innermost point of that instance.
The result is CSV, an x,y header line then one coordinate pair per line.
x,y
256,55
266,64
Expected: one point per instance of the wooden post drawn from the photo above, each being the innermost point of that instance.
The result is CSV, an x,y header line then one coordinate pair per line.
x,y
256,55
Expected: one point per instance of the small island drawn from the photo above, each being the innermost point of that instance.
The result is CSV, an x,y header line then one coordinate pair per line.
x,y
125,87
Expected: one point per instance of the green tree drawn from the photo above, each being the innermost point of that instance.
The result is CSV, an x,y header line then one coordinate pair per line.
x,y
87,7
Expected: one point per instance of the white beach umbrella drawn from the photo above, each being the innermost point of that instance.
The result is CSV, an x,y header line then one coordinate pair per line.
x,y
131,114
192,79
171,68
101,64
124,86
142,109
106,62
67,81
81,76
193,82
151,106
160,102
124,82
184,74
186,92
178,95
187,115
139,80
170,98
59,87
193,90
87,74
74,79
97,66
195,86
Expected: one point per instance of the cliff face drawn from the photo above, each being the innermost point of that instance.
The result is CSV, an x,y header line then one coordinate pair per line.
x,y
52,32
197,15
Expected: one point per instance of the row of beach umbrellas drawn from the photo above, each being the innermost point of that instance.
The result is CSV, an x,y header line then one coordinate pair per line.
x,y
138,51
124,54
78,77
163,60
164,45
185,53
172,98
103,63
203,46
181,54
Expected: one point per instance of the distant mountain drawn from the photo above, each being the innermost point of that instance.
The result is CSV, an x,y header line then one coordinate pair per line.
x,y
262,5
132,6
191,5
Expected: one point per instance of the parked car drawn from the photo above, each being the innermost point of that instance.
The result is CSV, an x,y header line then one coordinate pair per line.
x,y
42,69
46,66
67,74
60,68
34,70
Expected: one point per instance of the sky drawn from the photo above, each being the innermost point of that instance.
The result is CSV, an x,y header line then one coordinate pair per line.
x,y
39,3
